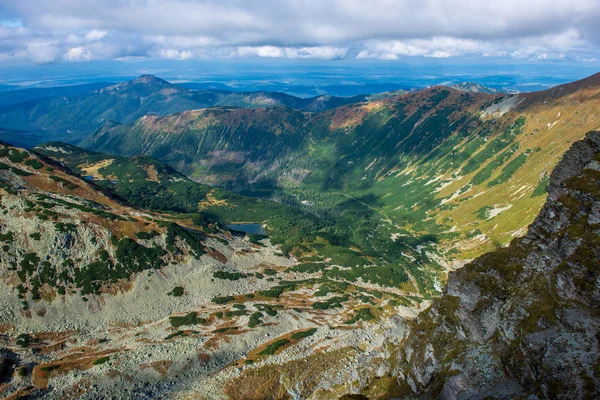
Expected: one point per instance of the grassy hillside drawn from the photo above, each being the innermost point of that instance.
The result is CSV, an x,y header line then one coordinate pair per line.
x,y
467,168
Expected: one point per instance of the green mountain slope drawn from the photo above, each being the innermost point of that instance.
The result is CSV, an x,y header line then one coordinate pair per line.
x,y
519,322
467,168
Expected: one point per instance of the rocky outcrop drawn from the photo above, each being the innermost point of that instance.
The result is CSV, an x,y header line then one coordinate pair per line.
x,y
523,320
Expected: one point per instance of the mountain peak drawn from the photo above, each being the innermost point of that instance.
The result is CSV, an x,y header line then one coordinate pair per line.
x,y
473,87
150,79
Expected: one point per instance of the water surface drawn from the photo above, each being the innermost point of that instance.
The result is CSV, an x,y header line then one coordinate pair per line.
x,y
248,228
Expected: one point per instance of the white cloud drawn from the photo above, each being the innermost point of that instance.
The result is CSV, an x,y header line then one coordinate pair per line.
x,y
172,54
316,52
95,34
77,54
327,30
43,53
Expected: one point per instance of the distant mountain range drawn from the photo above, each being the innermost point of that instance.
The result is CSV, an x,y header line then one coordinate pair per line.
x,y
69,113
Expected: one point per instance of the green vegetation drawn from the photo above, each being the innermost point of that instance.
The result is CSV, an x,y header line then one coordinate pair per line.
x,y
303,334
174,334
24,340
16,156
509,170
188,319
540,189
101,360
222,300
333,302
35,236
273,347
255,319
33,163
270,310
360,314
237,313
146,235
176,292
231,276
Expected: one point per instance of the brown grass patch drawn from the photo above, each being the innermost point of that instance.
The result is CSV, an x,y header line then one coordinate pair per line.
x,y
92,169
270,382
211,201
151,173
217,255
42,373
162,366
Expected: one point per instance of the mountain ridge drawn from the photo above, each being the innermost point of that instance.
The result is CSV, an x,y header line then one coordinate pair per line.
x,y
71,118
473,166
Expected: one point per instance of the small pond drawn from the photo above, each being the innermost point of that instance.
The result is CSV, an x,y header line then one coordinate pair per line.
x,y
248,228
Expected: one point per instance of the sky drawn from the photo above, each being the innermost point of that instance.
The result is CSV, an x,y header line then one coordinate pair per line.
x,y
51,31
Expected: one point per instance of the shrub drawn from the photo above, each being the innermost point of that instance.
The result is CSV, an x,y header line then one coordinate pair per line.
x,y
303,334
222,299
255,319
230,276
146,235
273,347
33,163
188,319
176,292
362,313
35,236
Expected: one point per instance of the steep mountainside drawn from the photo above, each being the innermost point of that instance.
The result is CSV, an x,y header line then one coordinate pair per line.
x,y
524,320
64,235
223,137
69,117
468,168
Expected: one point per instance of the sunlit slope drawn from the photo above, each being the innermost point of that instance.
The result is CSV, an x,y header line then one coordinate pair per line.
x,y
502,196
466,169
469,168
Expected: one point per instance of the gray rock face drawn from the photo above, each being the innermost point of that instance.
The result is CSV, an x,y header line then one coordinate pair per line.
x,y
523,321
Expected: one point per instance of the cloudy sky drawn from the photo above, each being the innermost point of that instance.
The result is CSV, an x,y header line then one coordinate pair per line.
x,y
50,31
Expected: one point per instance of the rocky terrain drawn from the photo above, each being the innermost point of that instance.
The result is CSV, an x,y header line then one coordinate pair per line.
x,y
106,299
121,278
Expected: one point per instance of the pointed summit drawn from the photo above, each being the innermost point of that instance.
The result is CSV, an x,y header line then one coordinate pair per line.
x,y
150,80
